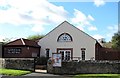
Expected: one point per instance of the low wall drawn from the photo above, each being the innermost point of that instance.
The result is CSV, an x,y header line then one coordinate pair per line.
x,y
85,67
1,62
19,63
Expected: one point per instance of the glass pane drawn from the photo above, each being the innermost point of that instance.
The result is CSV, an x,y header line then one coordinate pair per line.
x,y
47,53
64,37
83,55
67,55
62,52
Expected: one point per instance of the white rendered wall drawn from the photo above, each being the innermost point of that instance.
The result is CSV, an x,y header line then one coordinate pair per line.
x,y
80,40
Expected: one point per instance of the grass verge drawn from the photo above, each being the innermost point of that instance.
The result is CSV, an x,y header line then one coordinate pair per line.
x,y
97,76
12,72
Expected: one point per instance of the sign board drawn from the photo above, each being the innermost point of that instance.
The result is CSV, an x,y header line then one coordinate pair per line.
x,y
57,57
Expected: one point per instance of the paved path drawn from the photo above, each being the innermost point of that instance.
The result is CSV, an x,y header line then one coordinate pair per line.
x,y
0,75
40,74
44,74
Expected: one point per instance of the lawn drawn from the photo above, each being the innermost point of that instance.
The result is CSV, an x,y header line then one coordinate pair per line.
x,y
12,72
97,76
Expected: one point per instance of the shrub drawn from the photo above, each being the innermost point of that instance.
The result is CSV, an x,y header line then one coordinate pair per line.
x,y
41,60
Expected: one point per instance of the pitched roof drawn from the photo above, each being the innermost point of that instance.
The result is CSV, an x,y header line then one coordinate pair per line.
x,y
23,42
72,26
75,28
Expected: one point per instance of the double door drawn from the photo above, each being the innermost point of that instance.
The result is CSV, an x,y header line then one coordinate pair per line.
x,y
66,54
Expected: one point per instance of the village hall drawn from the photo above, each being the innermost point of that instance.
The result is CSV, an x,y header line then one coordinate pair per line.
x,y
70,41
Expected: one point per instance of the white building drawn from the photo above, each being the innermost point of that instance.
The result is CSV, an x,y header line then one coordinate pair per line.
x,y
70,41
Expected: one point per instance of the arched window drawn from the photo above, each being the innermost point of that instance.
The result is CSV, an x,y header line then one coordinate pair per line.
x,y
64,37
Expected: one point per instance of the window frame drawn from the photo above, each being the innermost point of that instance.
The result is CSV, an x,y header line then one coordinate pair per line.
x,y
83,54
66,49
14,50
58,39
47,53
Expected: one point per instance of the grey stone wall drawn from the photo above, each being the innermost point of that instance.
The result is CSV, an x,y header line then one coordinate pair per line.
x,y
85,67
19,63
1,62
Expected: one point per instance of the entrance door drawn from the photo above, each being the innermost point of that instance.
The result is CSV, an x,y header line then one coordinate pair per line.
x,y
66,54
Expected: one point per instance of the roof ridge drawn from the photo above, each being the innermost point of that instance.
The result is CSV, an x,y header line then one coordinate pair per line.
x,y
23,42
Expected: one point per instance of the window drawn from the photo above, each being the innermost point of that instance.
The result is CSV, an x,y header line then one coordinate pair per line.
x,y
14,50
66,54
83,54
34,54
47,53
62,52
65,37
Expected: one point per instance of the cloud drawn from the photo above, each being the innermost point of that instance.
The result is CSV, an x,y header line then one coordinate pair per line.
x,y
41,13
33,12
119,27
38,28
113,29
97,36
92,28
80,27
1,38
99,2
90,18
81,20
